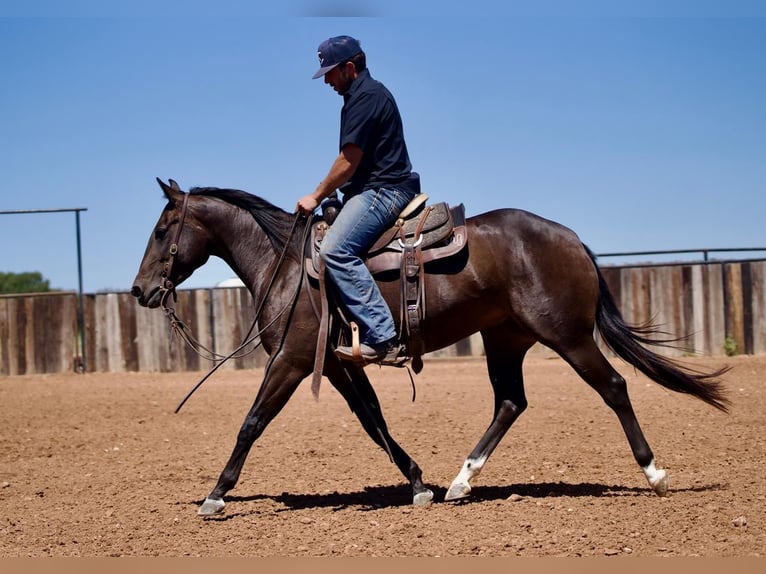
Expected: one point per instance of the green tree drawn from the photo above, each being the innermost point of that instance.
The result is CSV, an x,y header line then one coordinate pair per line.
x,y
32,282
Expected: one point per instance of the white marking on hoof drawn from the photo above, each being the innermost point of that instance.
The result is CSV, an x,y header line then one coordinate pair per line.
x,y
423,498
460,487
211,507
457,491
658,479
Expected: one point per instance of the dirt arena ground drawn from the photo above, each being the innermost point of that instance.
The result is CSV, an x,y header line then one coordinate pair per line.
x,y
98,465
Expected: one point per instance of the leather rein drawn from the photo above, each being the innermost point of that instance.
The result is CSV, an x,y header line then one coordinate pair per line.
x,y
167,288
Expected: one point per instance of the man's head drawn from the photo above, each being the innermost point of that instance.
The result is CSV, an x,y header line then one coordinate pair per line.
x,y
335,52
341,59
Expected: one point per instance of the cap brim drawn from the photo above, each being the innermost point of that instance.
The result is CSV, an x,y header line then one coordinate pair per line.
x,y
322,71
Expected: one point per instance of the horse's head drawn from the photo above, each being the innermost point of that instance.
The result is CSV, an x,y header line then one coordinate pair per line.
x,y
176,248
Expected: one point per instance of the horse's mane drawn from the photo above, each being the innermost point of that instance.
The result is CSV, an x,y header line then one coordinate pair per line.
x,y
274,221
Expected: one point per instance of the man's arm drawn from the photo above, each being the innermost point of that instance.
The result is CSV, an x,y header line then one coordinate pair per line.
x,y
340,172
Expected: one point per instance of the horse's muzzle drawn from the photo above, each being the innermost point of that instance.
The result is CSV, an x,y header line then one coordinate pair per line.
x,y
151,299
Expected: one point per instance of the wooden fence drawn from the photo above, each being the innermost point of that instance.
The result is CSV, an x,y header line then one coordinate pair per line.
x,y
38,333
714,305
710,302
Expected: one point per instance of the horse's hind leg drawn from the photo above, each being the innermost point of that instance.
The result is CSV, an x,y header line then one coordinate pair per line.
x,y
505,354
588,361
355,387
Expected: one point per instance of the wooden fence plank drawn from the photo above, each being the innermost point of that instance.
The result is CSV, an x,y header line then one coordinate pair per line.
x,y
89,320
716,309
126,306
687,308
699,323
16,355
111,334
148,341
5,337
53,331
660,313
735,327
182,357
758,299
747,308
26,324
203,321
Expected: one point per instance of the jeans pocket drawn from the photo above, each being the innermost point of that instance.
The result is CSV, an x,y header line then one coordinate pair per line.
x,y
396,201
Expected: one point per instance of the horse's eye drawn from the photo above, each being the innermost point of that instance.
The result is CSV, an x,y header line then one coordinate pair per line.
x,y
159,233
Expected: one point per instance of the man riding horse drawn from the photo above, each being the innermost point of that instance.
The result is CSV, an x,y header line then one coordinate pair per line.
x,y
374,173
525,279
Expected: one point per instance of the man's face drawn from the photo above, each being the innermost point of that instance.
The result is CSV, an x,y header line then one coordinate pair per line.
x,y
341,77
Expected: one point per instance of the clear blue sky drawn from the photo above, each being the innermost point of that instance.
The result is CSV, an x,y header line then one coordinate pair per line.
x,y
639,133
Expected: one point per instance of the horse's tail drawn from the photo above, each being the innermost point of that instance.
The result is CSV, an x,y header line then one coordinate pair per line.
x,y
629,342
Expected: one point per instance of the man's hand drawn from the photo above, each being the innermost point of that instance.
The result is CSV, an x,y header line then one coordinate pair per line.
x,y
306,204
342,169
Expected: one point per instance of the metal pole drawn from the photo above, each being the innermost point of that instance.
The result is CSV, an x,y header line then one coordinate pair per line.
x,y
80,312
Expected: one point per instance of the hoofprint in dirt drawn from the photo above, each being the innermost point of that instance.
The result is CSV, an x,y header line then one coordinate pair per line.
x,y
98,465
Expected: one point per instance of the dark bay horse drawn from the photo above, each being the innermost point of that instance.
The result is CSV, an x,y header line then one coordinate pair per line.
x,y
522,279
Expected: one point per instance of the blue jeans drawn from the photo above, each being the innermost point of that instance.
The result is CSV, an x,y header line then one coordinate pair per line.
x,y
361,221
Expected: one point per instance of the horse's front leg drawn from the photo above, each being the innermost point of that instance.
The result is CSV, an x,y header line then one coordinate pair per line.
x,y
278,386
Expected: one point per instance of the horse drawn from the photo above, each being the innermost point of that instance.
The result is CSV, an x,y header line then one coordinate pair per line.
x,y
521,279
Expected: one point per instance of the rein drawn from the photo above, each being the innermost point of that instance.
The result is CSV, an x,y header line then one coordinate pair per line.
x,y
180,328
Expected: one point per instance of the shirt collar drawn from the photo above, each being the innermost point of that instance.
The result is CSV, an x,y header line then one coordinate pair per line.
x,y
356,84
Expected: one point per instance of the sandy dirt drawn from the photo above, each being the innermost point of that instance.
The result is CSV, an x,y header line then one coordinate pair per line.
x,y
98,465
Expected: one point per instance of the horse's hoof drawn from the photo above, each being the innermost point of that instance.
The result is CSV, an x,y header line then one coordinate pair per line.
x,y
423,498
458,491
211,507
661,483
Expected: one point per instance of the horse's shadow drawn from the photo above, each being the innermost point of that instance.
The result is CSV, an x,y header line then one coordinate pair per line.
x,y
376,497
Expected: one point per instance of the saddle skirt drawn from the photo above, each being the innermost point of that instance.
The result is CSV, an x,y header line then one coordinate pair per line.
x,y
440,230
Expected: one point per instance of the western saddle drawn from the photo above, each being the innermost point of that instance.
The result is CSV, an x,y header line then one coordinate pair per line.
x,y
421,234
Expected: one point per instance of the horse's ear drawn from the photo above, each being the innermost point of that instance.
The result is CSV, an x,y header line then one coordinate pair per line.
x,y
171,191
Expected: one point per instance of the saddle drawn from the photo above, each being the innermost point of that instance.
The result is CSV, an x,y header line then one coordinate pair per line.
x,y
421,234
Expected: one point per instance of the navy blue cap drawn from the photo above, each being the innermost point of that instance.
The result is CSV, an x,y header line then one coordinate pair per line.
x,y
334,51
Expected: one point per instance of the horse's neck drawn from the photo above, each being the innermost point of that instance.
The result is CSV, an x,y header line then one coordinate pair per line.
x,y
243,245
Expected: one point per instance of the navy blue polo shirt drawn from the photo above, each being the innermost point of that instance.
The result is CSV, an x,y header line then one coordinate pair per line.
x,y
370,119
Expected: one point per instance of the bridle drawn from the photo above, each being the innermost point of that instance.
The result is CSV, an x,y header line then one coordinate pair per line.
x,y
166,286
